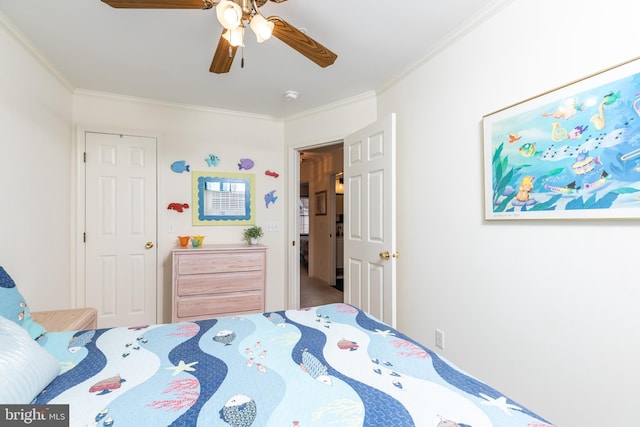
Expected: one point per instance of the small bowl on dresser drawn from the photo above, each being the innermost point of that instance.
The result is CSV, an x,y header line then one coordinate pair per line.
x,y
196,241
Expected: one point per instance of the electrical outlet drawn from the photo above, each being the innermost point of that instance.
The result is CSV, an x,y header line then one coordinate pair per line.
x,y
439,339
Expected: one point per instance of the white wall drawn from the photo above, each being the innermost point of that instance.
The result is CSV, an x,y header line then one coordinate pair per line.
x,y
546,311
191,134
331,123
35,166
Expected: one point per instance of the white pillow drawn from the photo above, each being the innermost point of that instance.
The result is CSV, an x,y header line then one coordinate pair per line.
x,y
25,367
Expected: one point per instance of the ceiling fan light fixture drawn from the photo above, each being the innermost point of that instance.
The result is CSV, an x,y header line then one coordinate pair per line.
x,y
235,37
261,27
229,14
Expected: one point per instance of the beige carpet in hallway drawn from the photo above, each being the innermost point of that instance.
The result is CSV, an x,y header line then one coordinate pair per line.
x,y
315,292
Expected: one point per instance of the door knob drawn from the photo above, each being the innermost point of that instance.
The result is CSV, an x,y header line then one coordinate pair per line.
x,y
386,255
149,245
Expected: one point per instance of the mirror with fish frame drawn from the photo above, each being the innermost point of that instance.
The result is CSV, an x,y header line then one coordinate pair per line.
x,y
223,198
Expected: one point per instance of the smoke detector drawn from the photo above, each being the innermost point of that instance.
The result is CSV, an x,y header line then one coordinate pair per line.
x,y
290,95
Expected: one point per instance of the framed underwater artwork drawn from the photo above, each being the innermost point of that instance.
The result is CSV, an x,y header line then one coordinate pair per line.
x,y
570,153
223,198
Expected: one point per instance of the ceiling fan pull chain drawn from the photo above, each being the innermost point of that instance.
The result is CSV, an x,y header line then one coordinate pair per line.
x,y
242,49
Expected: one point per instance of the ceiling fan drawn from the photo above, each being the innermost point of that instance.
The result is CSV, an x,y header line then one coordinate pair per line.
x,y
234,15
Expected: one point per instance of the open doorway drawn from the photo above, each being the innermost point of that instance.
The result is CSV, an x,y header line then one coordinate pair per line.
x,y
370,252
320,216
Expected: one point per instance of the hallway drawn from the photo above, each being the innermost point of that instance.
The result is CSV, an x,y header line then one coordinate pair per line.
x,y
315,292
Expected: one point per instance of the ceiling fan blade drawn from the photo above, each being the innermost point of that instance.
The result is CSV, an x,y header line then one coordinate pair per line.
x,y
160,4
223,58
261,3
299,41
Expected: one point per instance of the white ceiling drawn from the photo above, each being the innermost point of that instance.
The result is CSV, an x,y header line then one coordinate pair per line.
x,y
165,54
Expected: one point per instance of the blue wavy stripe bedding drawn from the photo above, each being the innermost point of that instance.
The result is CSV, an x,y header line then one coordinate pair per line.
x,y
332,365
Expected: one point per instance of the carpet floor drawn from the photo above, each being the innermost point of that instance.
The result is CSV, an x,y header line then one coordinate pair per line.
x,y
315,292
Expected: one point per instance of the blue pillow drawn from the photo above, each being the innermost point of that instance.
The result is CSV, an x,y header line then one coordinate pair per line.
x,y
14,307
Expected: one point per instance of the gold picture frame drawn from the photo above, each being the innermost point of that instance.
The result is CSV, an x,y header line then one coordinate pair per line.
x,y
569,153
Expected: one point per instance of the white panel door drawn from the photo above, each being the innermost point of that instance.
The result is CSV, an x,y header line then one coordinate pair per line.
x,y
120,228
369,235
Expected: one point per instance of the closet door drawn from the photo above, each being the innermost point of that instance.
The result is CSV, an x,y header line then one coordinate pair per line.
x,y
120,230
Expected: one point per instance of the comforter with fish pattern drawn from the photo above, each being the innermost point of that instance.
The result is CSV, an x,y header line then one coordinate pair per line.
x,y
332,365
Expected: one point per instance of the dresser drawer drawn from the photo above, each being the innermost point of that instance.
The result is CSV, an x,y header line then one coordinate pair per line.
x,y
205,263
218,280
219,305
219,283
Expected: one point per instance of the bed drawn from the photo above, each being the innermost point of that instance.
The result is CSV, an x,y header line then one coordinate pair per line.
x,y
332,365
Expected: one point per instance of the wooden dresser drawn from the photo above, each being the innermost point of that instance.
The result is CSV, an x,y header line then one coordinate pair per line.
x,y
218,280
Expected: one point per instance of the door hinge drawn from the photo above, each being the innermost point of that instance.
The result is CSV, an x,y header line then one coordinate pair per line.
x,y
84,237
84,157
293,243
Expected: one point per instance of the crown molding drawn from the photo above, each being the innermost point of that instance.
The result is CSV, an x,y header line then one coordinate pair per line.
x,y
471,24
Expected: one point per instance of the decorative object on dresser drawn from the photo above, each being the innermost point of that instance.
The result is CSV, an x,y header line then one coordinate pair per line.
x,y
197,241
218,280
252,234
184,241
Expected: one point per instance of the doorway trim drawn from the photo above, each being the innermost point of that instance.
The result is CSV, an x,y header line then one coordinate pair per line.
x,y
78,259
331,211
293,241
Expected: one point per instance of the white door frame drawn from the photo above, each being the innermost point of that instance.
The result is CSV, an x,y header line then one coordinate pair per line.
x,y
293,241
331,211
78,294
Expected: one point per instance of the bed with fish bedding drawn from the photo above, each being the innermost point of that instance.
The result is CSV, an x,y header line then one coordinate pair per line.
x,y
332,365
